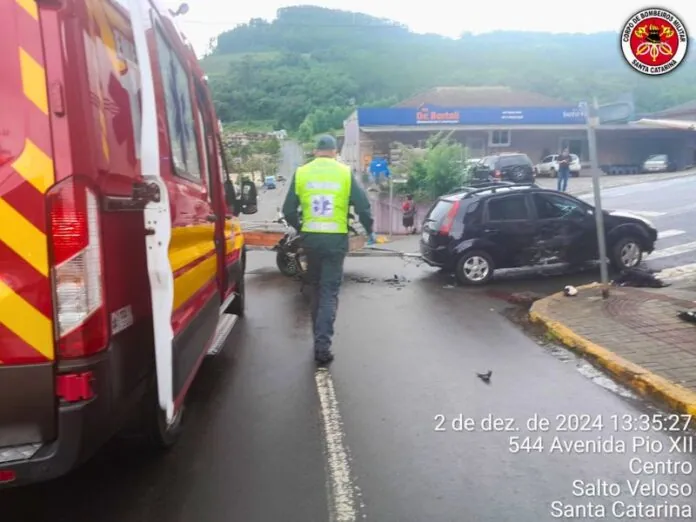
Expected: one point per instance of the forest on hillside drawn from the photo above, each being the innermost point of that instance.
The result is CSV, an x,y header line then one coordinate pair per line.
x,y
308,68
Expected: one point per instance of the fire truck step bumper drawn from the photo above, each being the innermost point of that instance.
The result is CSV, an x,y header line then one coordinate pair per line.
x,y
224,327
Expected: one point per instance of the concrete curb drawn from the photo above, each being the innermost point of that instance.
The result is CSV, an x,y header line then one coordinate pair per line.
x,y
640,379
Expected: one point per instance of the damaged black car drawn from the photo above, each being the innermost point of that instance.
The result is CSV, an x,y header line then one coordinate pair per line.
x,y
476,231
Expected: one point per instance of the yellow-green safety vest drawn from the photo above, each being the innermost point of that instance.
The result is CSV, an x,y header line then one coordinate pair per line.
x,y
323,188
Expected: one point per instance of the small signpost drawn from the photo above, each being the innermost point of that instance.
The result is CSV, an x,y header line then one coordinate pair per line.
x,y
592,115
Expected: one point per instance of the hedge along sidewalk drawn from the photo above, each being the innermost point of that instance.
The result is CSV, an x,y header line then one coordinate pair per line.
x,y
635,334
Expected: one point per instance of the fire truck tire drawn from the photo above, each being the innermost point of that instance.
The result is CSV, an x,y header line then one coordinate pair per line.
x,y
239,304
158,436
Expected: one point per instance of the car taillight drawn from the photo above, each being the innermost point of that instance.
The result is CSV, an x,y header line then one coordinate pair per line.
x,y
446,226
497,174
75,241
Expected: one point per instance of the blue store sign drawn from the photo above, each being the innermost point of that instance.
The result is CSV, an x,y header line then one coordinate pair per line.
x,y
508,116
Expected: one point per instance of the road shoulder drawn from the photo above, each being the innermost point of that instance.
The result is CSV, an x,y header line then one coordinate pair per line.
x,y
635,334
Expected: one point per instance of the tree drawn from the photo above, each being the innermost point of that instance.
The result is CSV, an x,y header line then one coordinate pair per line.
x,y
435,170
318,64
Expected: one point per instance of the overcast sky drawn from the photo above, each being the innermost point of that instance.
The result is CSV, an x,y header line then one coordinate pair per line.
x,y
207,18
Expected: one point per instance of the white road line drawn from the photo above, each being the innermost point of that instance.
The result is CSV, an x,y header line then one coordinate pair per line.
x,y
669,233
342,491
672,251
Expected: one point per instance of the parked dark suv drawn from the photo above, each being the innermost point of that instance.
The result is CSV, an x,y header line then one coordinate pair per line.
x,y
514,166
475,231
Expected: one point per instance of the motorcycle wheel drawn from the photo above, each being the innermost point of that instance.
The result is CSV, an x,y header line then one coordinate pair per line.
x,y
286,264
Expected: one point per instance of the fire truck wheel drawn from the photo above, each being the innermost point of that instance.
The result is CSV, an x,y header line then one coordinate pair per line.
x,y
158,434
238,305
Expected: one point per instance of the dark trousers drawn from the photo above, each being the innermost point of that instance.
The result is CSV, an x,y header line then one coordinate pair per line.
x,y
563,175
325,275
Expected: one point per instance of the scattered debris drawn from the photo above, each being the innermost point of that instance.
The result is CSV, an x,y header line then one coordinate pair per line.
x,y
396,281
570,291
448,286
361,279
688,315
639,278
485,377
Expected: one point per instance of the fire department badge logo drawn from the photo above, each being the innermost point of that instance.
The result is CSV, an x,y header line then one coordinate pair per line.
x,y
654,41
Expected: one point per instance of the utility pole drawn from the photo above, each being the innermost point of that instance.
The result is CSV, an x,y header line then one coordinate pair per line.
x,y
592,123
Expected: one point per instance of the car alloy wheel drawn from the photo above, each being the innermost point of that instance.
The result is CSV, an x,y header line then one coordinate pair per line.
x,y
630,254
474,268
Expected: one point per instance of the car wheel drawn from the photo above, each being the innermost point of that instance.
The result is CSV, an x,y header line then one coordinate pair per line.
x,y
474,268
626,253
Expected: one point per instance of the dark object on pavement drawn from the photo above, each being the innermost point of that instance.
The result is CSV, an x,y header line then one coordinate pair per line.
x,y
475,231
524,298
688,315
485,377
323,358
639,278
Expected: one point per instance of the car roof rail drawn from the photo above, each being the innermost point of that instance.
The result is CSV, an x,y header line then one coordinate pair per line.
x,y
494,187
476,186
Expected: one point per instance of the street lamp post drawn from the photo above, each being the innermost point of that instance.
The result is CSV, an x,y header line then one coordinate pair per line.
x,y
592,123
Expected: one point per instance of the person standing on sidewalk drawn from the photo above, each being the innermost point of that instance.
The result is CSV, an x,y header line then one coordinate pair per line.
x,y
564,161
409,215
325,189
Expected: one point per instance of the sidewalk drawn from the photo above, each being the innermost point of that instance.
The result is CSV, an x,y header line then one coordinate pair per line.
x,y
635,334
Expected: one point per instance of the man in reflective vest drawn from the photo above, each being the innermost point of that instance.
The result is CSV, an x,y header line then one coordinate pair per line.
x,y
325,189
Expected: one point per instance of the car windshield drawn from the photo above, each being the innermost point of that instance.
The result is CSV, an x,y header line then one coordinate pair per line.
x,y
658,157
574,157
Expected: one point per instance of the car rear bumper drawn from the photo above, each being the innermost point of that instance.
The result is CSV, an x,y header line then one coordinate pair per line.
x,y
83,427
434,256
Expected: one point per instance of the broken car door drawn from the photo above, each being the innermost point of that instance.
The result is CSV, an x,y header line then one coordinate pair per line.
x,y
565,229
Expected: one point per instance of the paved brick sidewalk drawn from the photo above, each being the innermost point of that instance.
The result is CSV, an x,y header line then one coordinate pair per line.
x,y
635,333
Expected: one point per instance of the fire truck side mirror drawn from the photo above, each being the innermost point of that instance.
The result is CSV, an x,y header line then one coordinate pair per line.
x,y
234,205
248,197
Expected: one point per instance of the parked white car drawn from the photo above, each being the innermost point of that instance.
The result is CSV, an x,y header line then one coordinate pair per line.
x,y
549,166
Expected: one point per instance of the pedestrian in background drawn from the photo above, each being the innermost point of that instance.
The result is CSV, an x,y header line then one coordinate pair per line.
x,y
564,161
325,189
409,214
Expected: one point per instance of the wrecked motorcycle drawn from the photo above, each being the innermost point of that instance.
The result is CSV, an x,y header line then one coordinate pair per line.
x,y
291,259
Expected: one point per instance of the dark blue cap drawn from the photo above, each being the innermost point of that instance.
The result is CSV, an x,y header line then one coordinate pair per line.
x,y
327,142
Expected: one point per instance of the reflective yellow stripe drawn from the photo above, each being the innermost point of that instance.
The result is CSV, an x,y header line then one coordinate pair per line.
x,y
33,80
26,322
30,7
23,238
191,281
35,166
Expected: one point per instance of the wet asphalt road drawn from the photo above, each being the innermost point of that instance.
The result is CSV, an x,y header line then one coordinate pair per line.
x,y
254,449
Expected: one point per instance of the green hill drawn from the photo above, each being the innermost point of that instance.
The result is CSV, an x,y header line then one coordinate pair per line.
x,y
313,65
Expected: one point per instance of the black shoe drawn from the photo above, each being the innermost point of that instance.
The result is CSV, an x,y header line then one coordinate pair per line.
x,y
323,358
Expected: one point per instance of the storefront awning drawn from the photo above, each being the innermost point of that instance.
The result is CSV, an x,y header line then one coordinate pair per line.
x,y
668,124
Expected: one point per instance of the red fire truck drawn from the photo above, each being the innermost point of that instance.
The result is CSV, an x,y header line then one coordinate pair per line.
x,y
121,256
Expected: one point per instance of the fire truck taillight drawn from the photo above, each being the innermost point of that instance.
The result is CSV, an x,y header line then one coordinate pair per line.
x,y
75,239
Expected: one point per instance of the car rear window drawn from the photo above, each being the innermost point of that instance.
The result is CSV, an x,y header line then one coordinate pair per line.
x,y
439,211
519,159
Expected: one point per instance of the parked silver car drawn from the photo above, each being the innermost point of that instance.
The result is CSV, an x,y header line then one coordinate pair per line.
x,y
549,166
659,163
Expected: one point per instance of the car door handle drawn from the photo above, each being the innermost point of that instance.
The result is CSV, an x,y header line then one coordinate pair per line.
x,y
212,218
